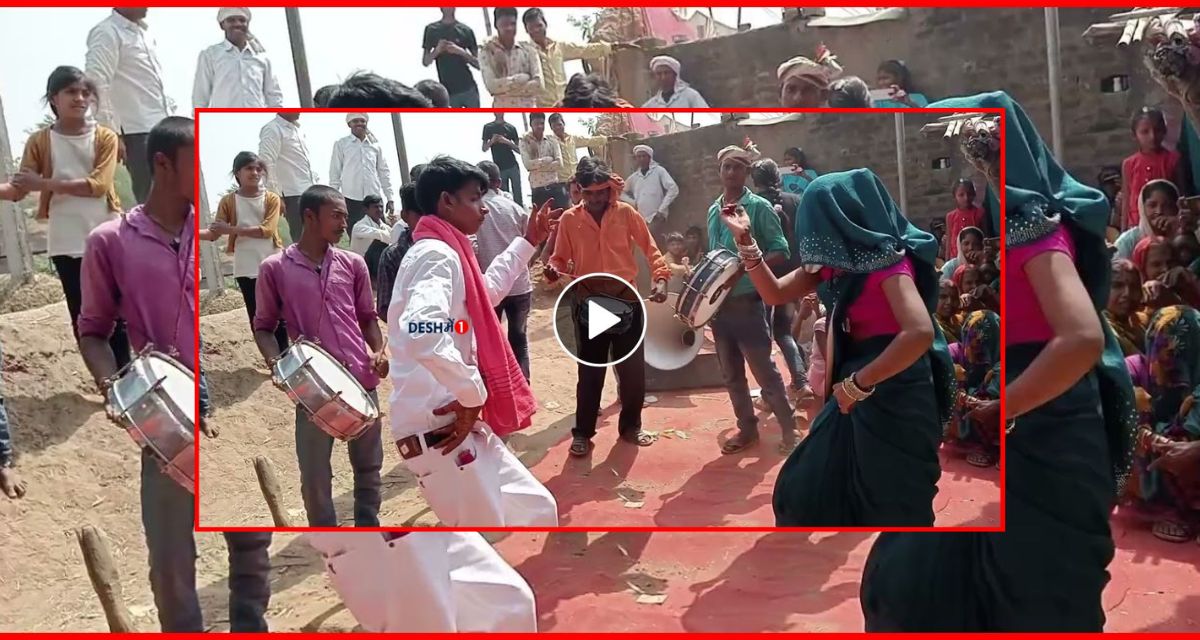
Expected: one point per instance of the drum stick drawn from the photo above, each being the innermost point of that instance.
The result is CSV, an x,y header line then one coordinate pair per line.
x,y
269,483
104,577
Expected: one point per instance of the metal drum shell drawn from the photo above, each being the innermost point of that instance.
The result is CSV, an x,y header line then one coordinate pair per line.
x,y
711,277
305,388
147,414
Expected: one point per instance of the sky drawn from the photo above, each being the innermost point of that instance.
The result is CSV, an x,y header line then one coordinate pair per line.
x,y
338,41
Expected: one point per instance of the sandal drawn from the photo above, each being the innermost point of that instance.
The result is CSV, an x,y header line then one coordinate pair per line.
x,y
738,443
786,447
980,459
641,439
1171,531
581,446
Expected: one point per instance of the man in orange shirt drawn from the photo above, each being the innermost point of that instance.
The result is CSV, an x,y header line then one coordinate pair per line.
x,y
597,236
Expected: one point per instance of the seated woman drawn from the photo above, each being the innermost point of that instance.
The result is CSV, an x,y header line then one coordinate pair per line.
x,y
981,364
1124,311
1159,204
947,313
1172,380
1164,281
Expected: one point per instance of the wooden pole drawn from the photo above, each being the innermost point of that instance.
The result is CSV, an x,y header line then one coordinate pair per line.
x,y
210,261
401,151
12,220
1054,70
299,57
487,22
105,579
271,491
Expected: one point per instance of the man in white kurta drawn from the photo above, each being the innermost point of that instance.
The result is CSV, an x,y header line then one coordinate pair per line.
x,y
426,582
237,72
479,483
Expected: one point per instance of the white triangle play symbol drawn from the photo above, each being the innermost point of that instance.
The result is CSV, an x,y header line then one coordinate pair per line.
x,y
599,319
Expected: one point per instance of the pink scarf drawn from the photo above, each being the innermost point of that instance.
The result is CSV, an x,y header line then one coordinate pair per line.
x,y
510,403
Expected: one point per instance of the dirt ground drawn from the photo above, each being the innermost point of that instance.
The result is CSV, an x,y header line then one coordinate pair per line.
x,y
82,470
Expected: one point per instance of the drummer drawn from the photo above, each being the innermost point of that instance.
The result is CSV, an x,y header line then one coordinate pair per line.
x,y
324,295
153,243
598,236
740,327
455,394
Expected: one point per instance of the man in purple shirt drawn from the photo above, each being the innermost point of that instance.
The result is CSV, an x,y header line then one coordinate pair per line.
x,y
324,294
140,267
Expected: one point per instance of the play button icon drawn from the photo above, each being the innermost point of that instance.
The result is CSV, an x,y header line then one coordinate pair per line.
x,y
599,320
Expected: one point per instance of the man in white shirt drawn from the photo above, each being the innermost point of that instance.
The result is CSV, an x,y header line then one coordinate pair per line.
x,y
673,92
282,149
236,73
512,71
651,190
122,61
358,168
371,235
444,415
505,222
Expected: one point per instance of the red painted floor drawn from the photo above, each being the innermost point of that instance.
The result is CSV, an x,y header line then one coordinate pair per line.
x,y
685,481
782,581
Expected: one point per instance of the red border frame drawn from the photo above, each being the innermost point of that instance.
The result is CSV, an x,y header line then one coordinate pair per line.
x,y
1003,366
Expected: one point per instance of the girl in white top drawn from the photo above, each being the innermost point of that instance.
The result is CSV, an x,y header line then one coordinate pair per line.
x,y
71,163
250,217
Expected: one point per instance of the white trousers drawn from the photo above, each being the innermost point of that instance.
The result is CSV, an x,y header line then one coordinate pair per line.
x,y
426,582
482,484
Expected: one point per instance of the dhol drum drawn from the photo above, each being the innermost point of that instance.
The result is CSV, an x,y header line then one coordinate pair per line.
x,y
154,399
324,388
707,287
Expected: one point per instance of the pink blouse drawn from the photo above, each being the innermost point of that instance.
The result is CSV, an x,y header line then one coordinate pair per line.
x,y
1024,321
871,315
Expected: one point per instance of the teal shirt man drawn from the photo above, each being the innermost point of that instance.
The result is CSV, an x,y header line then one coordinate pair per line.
x,y
764,226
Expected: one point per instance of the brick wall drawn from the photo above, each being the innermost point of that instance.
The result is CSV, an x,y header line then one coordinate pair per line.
x,y
832,142
950,52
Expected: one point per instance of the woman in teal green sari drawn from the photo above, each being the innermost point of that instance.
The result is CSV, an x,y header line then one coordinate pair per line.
x,y
1070,403
871,457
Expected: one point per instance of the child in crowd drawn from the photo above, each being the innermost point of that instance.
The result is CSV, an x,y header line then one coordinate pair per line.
x,y
980,360
677,260
965,213
893,76
1151,162
693,244
1166,283
796,173
1109,181
1158,214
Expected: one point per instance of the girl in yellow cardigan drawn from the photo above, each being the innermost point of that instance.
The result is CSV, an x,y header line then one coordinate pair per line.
x,y
250,217
71,164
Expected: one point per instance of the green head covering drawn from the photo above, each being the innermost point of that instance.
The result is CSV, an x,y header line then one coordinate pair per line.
x,y
981,340
848,221
1039,197
1173,354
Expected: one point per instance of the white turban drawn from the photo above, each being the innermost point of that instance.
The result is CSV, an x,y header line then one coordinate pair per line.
x,y
229,12
644,148
665,61
350,117
225,13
